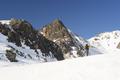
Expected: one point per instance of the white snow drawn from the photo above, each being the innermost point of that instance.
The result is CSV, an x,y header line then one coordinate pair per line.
x,y
5,21
100,67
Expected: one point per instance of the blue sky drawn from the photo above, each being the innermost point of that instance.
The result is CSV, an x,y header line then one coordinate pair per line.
x,y
84,17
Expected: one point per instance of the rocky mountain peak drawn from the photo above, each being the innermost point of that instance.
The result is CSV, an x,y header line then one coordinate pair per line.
x,y
57,32
57,21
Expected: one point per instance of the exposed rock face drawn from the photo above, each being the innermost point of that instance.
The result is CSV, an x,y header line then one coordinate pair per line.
x,y
58,33
118,46
11,55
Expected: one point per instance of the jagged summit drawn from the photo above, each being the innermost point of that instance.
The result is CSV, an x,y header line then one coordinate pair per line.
x,y
57,32
58,21
55,29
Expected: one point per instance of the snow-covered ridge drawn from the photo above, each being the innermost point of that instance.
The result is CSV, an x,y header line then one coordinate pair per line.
x,y
5,22
108,35
107,41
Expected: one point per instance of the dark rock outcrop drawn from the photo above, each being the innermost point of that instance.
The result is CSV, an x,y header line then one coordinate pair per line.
x,y
118,46
11,55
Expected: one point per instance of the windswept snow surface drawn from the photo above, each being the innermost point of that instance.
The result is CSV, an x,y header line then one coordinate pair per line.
x,y
99,67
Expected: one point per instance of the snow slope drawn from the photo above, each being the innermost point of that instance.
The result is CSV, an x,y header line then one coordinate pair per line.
x,y
99,67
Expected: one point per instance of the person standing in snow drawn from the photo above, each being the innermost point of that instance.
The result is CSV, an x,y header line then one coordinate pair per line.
x,y
87,49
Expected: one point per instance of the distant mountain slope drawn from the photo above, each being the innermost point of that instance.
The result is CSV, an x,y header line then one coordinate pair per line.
x,y
107,42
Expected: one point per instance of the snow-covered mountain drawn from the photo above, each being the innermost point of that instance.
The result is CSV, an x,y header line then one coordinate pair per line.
x,y
20,42
106,42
